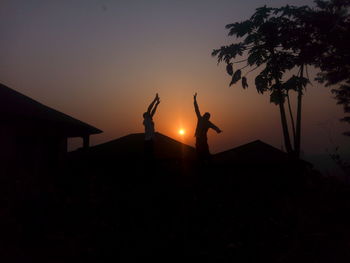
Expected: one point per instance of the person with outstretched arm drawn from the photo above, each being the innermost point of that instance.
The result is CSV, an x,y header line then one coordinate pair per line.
x,y
203,125
149,126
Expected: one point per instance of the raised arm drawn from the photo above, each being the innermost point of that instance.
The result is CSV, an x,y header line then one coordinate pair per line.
x,y
211,125
152,103
155,107
196,108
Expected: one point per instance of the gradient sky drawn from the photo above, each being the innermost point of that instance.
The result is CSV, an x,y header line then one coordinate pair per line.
x,y
103,61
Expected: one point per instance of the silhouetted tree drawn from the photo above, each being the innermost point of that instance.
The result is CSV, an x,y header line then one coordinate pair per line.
x,y
268,42
331,25
279,40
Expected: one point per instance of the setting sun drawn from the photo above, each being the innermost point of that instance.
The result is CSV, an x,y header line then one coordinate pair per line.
x,y
181,132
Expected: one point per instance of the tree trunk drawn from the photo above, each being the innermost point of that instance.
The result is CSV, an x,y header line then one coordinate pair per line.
x,y
291,116
284,123
298,122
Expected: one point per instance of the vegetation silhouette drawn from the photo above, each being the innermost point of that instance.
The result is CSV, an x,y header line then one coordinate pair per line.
x,y
331,24
203,125
278,41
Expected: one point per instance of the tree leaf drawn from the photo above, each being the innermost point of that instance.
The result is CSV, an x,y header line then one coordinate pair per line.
x,y
277,97
226,53
244,83
229,69
240,28
236,77
261,83
295,82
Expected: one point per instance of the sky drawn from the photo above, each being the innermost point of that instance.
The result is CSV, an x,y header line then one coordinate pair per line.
x,y
103,61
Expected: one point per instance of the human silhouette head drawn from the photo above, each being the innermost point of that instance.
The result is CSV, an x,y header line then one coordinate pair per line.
x,y
146,115
206,116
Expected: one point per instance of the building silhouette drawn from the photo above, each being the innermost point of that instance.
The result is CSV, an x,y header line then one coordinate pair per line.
x,y
33,136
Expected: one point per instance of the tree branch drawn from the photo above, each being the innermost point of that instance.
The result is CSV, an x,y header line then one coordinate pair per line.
x,y
240,61
251,70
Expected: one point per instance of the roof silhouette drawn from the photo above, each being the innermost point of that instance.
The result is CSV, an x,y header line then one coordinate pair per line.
x,y
16,106
256,152
132,146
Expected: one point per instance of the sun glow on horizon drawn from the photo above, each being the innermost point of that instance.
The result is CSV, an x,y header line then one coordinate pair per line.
x,y
182,132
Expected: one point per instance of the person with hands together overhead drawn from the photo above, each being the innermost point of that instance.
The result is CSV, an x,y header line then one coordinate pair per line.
x,y
149,126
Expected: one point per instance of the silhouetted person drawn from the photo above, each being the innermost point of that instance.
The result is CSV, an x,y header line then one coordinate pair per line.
x,y
149,126
203,125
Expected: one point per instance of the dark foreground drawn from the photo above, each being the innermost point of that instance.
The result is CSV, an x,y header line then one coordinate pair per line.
x,y
172,211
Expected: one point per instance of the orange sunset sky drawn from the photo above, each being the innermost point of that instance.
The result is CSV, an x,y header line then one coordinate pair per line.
x,y
103,61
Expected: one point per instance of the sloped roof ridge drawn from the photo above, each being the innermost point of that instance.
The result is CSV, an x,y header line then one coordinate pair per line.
x,y
138,134
51,114
249,144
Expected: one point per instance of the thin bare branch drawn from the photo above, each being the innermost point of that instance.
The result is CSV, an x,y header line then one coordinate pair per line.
x,y
251,70
244,67
240,61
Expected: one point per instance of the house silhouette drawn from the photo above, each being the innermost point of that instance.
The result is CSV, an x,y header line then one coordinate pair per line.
x,y
257,152
173,157
34,136
131,147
